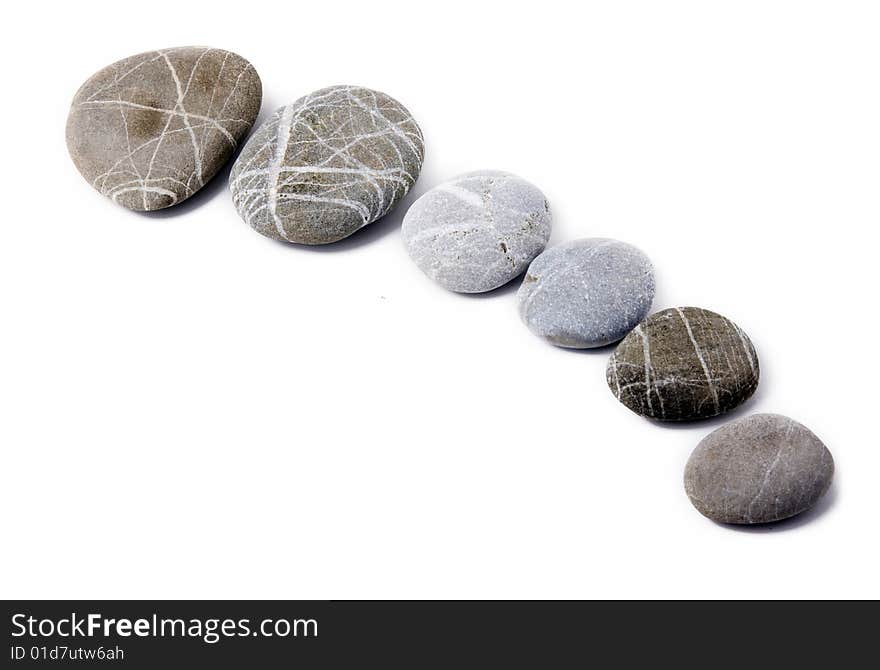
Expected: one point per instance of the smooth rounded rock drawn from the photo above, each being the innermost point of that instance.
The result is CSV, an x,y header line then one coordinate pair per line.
x,y
587,293
683,364
758,469
151,130
478,231
327,165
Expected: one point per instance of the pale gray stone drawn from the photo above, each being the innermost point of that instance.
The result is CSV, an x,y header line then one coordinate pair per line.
x,y
327,165
151,130
758,469
478,231
587,293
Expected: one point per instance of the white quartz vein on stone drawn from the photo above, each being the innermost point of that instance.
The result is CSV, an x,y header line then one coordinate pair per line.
x,y
709,380
646,352
282,137
765,481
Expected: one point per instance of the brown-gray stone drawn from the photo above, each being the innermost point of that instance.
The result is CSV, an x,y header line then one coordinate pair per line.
x,y
682,364
327,165
152,129
758,469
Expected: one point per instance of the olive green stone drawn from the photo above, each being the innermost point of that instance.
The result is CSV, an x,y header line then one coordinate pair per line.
x,y
682,364
151,130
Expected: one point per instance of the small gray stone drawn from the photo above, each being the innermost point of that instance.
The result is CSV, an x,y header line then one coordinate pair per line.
x,y
152,129
758,469
683,364
478,231
327,165
586,293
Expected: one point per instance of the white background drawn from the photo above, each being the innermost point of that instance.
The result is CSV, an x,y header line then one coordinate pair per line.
x,y
192,410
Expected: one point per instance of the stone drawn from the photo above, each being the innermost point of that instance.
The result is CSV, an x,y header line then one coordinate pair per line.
x,y
149,131
478,231
587,293
327,165
683,364
758,469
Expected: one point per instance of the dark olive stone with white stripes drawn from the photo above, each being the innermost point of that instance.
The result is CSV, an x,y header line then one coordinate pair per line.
x,y
758,469
682,364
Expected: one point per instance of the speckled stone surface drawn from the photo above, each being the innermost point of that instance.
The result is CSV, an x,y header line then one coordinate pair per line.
x,y
327,165
758,469
152,129
478,231
682,364
586,293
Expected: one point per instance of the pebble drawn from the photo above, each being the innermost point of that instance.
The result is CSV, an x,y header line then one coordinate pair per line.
x,y
149,131
758,469
478,231
587,293
682,364
327,165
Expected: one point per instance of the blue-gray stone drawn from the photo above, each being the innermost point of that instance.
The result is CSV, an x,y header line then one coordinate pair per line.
x,y
587,293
